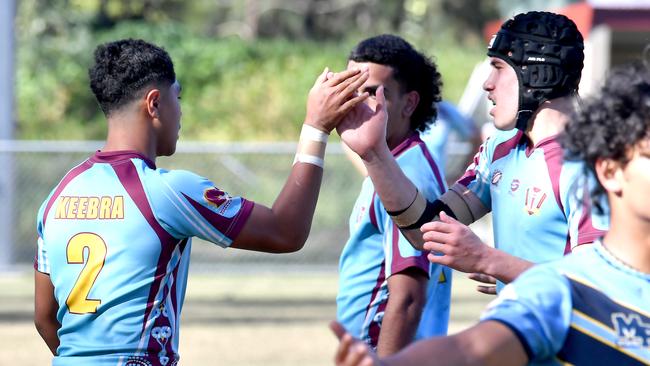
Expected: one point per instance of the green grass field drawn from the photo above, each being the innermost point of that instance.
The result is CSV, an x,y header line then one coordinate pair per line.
x,y
248,318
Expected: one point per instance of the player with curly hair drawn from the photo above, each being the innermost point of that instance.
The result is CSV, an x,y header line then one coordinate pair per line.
x,y
588,308
114,236
389,293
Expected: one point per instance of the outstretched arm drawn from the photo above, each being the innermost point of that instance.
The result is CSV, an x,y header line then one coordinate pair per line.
x,y
45,308
487,343
284,227
364,131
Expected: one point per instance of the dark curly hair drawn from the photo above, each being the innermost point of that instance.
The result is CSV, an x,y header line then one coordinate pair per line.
x,y
610,124
411,69
124,68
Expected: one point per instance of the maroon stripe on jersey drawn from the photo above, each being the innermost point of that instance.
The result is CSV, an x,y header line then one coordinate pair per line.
x,y
470,174
400,263
553,154
112,157
411,140
181,249
501,150
373,331
433,165
72,174
371,211
375,327
504,148
230,227
587,233
162,334
128,176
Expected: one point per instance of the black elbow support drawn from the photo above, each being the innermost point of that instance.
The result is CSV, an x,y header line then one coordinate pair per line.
x,y
432,211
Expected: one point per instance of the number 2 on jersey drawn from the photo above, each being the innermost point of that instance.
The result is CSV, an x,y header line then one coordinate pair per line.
x,y
78,301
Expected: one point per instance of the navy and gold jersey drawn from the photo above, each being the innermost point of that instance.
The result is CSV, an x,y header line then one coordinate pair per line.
x,y
587,309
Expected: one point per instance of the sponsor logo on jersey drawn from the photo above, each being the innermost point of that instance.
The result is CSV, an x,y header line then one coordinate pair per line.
x,y
514,185
216,197
535,197
496,177
631,330
90,208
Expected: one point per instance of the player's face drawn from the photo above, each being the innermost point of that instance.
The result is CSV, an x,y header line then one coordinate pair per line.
x,y
396,100
503,91
170,118
634,180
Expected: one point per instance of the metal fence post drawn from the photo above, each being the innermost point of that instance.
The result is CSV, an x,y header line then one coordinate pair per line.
x,y
7,183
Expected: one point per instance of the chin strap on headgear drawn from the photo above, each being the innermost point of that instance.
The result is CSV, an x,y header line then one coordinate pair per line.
x,y
546,52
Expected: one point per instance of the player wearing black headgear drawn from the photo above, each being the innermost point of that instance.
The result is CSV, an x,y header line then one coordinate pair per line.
x,y
546,52
518,174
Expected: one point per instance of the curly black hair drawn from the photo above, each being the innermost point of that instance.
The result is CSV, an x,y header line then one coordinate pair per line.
x,y
610,124
124,68
411,69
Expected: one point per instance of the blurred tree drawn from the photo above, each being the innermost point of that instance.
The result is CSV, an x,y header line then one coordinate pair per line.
x,y
239,61
469,15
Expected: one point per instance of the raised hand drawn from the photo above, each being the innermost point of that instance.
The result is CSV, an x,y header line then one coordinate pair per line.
x,y
351,351
363,129
332,96
454,245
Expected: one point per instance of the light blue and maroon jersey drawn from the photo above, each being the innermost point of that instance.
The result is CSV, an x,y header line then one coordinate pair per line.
x,y
376,250
588,308
114,236
536,198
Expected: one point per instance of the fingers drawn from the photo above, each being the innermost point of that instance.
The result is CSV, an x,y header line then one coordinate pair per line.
x,y
351,352
438,259
446,218
323,76
353,84
488,290
436,236
337,329
345,108
339,77
437,226
481,277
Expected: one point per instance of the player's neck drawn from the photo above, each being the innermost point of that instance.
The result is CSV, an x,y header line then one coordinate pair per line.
x,y
397,136
628,239
126,133
550,119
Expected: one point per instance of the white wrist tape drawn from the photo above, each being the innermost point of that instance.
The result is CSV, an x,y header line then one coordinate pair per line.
x,y
309,159
311,147
313,134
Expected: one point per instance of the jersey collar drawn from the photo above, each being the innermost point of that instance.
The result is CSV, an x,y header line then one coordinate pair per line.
x,y
111,157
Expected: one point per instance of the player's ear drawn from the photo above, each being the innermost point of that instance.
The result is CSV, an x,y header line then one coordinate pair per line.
x,y
610,175
152,103
412,100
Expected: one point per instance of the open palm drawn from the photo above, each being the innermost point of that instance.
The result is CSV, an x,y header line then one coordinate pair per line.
x,y
363,128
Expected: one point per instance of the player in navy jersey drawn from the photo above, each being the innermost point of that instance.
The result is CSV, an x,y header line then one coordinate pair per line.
x,y
518,174
389,293
588,308
114,236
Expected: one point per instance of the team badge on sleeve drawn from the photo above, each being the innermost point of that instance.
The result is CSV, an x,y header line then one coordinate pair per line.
x,y
216,197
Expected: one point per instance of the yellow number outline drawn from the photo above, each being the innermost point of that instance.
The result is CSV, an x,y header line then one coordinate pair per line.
x,y
78,301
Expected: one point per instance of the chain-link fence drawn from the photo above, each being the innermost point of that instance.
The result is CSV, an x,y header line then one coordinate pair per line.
x,y
30,169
